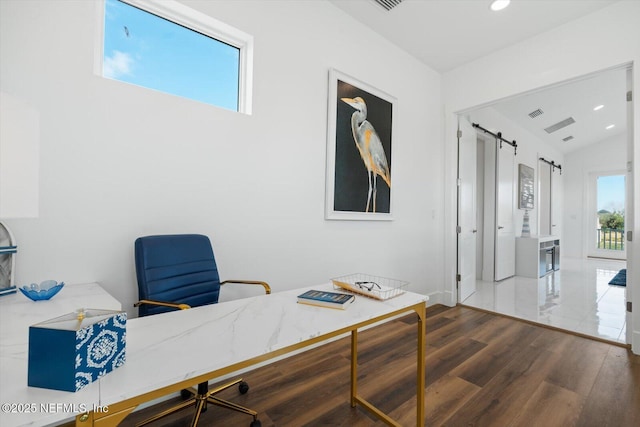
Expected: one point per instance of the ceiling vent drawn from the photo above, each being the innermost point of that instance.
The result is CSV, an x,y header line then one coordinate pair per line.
x,y
560,125
567,139
388,4
536,113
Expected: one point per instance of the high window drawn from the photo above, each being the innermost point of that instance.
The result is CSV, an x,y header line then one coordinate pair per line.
x,y
169,47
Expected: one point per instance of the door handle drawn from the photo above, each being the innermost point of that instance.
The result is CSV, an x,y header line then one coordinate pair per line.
x,y
474,231
500,227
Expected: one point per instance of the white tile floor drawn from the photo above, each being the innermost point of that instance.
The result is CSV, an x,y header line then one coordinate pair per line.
x,y
577,298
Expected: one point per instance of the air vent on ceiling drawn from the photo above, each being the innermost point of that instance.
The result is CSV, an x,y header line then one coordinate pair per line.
x,y
560,125
536,113
567,139
388,4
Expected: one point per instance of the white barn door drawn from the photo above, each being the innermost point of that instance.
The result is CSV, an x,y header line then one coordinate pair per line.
x,y
505,237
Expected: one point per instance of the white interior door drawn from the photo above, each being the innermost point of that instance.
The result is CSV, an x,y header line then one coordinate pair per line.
x,y
467,146
505,248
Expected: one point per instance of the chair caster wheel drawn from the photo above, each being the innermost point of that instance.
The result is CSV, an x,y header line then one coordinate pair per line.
x,y
185,394
244,388
255,423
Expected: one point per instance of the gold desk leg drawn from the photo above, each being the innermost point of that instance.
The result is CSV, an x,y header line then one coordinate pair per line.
x,y
354,367
112,419
420,310
85,419
422,329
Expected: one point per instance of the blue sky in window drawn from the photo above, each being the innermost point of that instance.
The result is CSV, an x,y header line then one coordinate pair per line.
x,y
611,193
143,49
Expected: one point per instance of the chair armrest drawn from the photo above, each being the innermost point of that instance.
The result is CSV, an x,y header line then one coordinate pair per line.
x,y
267,288
162,303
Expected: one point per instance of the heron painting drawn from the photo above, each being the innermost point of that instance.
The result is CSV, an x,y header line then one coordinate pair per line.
x,y
360,150
370,148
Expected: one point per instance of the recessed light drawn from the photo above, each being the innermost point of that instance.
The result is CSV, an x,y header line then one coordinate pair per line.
x,y
598,107
499,4
610,127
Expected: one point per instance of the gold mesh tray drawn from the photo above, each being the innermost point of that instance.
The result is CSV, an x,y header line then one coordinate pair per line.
x,y
380,288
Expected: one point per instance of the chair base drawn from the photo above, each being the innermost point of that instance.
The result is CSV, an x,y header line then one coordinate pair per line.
x,y
200,397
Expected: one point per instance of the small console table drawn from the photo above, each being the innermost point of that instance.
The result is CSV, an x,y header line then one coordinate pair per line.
x,y
536,256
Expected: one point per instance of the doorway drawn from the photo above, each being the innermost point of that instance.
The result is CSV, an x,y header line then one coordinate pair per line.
x,y
606,215
545,296
485,229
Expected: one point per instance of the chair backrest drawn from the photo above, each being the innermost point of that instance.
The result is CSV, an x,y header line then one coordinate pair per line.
x,y
176,268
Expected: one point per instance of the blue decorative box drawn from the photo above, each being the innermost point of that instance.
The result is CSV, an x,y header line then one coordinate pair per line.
x,y
71,351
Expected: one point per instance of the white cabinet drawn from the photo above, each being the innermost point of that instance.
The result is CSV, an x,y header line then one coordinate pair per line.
x,y
537,256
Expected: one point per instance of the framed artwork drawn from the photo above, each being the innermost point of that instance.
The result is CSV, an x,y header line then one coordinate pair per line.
x,y
359,150
525,186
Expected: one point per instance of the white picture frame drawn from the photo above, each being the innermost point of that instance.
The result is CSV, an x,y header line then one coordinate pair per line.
x,y
353,190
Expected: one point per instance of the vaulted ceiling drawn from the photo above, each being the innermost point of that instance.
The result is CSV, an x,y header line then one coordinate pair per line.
x,y
445,34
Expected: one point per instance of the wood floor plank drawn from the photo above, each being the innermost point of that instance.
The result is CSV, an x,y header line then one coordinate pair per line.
x,y
501,349
503,396
554,340
550,406
449,357
464,321
614,399
435,323
435,310
587,354
446,396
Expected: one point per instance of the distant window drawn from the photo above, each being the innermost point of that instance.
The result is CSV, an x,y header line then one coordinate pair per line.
x,y
169,47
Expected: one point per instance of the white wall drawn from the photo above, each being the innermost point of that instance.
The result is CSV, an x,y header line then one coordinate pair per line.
x,y
604,39
605,156
119,161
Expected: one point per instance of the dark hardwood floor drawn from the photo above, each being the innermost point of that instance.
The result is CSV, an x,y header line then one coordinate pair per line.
x,y
481,370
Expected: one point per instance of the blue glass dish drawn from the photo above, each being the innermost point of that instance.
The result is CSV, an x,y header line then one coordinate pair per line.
x,y
44,291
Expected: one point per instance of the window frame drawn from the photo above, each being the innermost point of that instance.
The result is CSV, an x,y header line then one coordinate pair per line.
x,y
192,19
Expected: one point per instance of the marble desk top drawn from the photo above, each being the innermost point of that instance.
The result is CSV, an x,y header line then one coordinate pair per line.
x,y
168,348
32,406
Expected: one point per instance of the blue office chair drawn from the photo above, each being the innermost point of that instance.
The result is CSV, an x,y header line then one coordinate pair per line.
x,y
177,272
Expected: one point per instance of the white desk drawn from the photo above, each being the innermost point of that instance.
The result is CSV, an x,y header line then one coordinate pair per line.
x,y
249,331
172,351
31,406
